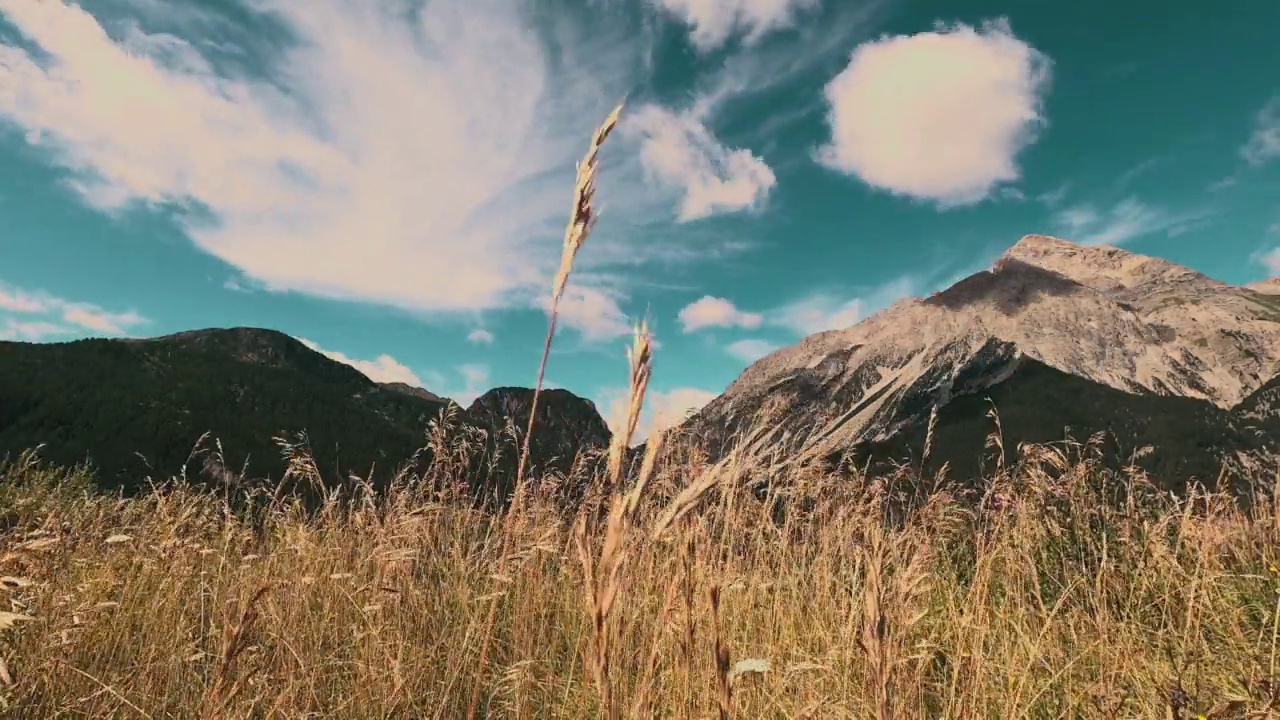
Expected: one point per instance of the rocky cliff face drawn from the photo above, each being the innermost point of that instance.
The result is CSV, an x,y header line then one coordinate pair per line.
x,y
1048,315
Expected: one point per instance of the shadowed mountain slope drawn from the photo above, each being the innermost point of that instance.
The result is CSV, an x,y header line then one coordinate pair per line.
x,y
135,408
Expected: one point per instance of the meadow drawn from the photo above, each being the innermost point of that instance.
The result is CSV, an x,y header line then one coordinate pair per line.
x,y
1045,597
1051,588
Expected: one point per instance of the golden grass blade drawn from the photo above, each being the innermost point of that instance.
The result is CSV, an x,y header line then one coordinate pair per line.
x,y
581,219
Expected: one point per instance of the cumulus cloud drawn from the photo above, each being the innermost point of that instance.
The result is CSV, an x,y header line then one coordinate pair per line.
x,y
712,22
709,311
751,349
592,311
939,115
1264,143
480,336
416,158
677,150
1124,221
73,317
383,368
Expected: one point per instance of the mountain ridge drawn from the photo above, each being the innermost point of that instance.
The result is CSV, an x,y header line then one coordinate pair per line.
x,y
1140,326
135,408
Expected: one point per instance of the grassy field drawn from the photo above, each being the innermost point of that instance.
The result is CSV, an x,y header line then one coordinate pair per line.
x,y
1047,598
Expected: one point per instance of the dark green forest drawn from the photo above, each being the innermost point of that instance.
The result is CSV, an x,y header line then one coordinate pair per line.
x,y
135,408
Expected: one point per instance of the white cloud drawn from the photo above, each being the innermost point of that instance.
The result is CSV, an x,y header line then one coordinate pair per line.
x,y
21,302
1128,219
592,311
677,150
1264,144
1271,261
474,382
383,368
13,329
824,311
94,318
480,336
1054,197
939,115
709,311
662,409
1077,219
418,158
818,313
751,349
712,22
74,317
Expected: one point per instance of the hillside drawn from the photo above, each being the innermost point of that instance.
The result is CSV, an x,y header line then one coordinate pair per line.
x,y
135,408
1059,335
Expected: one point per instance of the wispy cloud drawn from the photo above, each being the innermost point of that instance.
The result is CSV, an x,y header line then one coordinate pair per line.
x,y
712,22
72,317
1142,168
1270,260
463,384
824,311
818,313
480,336
750,349
677,150
21,302
1054,197
1126,220
1264,144
383,368
32,331
939,115
709,311
443,138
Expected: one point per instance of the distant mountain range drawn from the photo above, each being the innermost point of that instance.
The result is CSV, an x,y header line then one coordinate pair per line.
x,y
135,408
1063,340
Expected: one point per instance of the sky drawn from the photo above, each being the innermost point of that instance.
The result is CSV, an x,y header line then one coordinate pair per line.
x,y
389,180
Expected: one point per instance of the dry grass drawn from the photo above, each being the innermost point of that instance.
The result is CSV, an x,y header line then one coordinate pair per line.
x,y
1052,595
1052,603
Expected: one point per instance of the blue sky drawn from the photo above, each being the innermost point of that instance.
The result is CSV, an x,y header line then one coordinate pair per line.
x,y
389,180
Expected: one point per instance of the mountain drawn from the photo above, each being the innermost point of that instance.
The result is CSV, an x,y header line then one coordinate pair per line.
x,y
1057,335
1270,286
565,426
137,407
417,392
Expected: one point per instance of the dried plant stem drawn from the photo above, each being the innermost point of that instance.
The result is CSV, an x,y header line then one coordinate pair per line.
x,y
604,578
720,648
581,219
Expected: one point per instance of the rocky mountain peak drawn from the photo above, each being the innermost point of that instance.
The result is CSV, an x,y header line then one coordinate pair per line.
x,y
1049,311
1102,267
